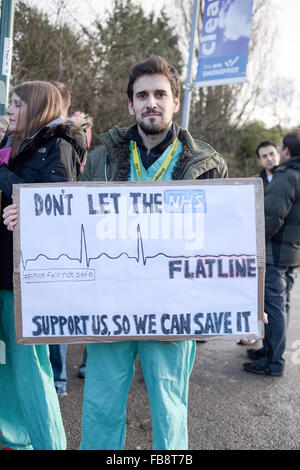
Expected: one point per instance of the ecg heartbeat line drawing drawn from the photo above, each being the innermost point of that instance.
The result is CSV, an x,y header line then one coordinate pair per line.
x,y
140,257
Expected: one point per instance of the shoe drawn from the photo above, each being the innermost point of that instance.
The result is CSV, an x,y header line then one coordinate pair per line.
x,y
62,395
245,341
255,368
81,372
256,354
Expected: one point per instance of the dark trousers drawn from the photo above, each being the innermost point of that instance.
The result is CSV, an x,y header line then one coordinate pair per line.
x,y
278,284
58,359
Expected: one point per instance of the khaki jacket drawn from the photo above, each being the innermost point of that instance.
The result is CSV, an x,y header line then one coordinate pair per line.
x,y
111,160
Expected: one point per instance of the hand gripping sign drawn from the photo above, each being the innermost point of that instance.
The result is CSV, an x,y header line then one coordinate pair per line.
x,y
144,261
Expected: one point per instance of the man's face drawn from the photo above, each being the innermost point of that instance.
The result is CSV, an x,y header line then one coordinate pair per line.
x,y
153,103
268,157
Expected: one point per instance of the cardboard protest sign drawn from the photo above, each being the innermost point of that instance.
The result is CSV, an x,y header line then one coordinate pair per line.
x,y
160,261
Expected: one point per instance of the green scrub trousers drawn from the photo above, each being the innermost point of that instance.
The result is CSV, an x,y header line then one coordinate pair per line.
x,y
110,369
30,415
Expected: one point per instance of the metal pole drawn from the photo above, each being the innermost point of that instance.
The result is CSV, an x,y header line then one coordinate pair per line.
x,y
6,43
188,84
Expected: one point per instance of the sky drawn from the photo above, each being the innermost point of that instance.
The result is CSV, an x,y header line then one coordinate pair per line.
x,y
288,31
286,63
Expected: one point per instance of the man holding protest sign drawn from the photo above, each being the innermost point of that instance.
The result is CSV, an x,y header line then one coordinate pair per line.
x,y
157,149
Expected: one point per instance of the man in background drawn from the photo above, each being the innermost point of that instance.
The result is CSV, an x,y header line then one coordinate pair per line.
x,y
269,157
83,123
282,226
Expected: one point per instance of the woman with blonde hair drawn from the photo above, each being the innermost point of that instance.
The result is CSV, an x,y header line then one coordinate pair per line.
x,y
40,148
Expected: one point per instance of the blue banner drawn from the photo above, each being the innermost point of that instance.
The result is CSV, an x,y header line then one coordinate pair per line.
x,y
224,43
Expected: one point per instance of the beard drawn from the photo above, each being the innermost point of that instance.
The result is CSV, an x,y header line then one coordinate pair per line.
x,y
152,127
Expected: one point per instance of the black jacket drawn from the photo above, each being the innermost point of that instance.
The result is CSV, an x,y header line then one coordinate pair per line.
x,y
263,176
282,215
53,155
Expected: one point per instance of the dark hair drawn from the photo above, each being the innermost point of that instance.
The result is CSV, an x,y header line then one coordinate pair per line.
x,y
65,94
265,143
291,140
154,64
44,104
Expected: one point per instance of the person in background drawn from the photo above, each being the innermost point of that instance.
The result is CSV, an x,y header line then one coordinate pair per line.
x,y
282,227
269,157
3,126
82,122
82,368
41,148
86,123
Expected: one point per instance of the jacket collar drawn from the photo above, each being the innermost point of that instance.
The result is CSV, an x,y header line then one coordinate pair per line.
x,y
115,141
292,162
263,174
75,136
133,134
